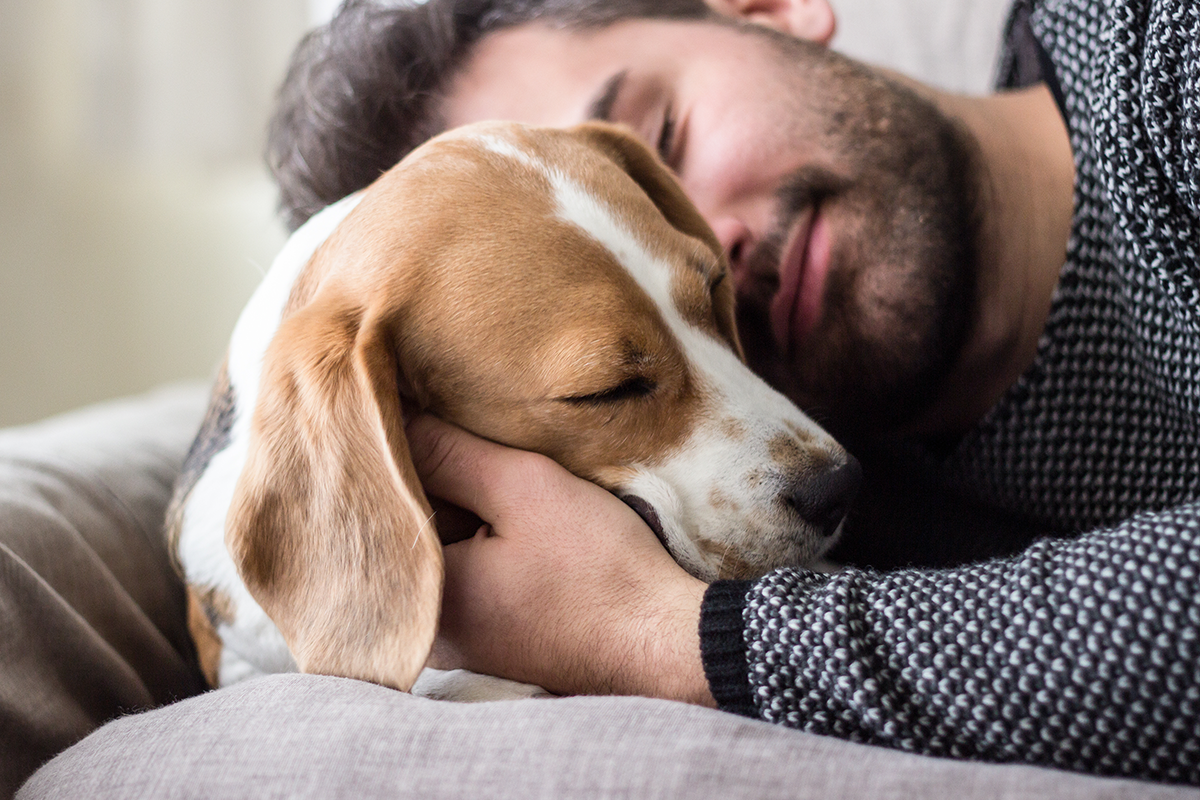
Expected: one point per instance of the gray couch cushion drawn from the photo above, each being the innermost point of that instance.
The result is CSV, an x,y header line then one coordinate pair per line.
x,y
91,612
92,627
310,736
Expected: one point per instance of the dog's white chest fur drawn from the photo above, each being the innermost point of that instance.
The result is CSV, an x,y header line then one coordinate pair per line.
x,y
253,645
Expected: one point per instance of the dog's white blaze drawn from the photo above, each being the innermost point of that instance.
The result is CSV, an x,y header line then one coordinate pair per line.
x,y
506,148
709,464
252,645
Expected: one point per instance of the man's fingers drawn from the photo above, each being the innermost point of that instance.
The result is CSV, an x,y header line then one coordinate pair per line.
x,y
450,462
462,468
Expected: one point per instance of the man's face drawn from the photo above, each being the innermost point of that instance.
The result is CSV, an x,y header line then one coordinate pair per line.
x,y
843,201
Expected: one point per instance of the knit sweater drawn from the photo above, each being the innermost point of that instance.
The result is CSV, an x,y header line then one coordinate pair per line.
x,y
1081,650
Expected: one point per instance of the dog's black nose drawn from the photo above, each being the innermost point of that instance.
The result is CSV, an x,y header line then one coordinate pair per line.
x,y
824,499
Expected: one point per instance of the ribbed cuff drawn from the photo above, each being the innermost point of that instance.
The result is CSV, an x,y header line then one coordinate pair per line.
x,y
723,646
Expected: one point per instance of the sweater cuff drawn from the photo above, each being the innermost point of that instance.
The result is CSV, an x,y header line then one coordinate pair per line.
x,y
723,646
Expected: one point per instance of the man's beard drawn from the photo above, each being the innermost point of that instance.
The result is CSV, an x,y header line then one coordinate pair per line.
x,y
900,287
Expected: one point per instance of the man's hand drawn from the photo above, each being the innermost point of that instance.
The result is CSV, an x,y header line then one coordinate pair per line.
x,y
563,586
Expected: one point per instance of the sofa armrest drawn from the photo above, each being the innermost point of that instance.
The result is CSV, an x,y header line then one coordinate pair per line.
x,y
92,620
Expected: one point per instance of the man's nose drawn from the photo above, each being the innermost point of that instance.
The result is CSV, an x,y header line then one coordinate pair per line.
x,y
736,240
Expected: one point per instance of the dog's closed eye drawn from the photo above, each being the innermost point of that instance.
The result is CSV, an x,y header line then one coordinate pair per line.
x,y
631,389
715,282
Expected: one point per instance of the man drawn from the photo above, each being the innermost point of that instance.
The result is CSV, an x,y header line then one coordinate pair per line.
x,y
992,297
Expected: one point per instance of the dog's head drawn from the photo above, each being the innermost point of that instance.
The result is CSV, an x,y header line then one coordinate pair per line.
x,y
551,290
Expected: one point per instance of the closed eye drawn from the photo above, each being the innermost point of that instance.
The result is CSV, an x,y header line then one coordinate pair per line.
x,y
666,135
629,390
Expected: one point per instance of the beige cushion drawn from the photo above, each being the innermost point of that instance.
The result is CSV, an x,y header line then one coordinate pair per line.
x,y
92,627
307,736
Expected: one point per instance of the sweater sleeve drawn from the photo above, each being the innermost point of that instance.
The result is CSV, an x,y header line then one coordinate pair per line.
x,y
1169,84
1082,654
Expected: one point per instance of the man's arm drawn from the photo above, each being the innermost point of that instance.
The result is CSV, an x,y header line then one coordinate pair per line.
x,y
1082,654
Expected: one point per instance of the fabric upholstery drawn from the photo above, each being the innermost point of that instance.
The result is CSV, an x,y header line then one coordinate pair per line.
x,y
304,736
91,612
92,627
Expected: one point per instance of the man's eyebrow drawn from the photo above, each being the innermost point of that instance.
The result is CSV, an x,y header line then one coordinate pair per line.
x,y
601,108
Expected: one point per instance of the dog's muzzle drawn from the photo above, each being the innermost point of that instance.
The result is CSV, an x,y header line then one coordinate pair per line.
x,y
823,501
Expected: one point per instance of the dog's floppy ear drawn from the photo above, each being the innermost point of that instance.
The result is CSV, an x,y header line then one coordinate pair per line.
x,y
620,145
329,526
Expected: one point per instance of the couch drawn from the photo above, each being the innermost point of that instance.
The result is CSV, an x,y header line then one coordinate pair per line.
x,y
97,675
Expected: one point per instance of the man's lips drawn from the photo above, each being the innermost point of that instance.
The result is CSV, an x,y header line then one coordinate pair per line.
x,y
796,307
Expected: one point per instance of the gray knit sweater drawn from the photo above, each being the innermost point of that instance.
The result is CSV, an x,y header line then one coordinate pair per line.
x,y
1082,650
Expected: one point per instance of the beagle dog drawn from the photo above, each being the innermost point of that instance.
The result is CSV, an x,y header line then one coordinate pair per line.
x,y
552,290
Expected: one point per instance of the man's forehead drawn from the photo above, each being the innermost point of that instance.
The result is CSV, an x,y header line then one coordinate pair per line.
x,y
543,75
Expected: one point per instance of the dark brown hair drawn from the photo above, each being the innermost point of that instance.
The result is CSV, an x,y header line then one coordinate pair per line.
x,y
363,90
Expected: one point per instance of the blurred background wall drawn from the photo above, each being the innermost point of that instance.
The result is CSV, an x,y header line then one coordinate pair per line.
x,y
135,214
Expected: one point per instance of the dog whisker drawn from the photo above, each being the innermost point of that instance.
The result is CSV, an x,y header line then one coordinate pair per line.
x,y
417,538
724,557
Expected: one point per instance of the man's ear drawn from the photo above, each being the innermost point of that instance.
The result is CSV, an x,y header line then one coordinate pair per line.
x,y
805,19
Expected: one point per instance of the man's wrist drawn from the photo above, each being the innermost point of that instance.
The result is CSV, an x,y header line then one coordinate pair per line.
x,y
721,632
674,670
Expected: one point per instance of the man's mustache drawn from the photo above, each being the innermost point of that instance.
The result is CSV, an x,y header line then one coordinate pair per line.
x,y
803,189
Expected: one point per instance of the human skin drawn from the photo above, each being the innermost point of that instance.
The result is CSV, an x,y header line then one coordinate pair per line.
x,y
736,143
564,586
562,569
